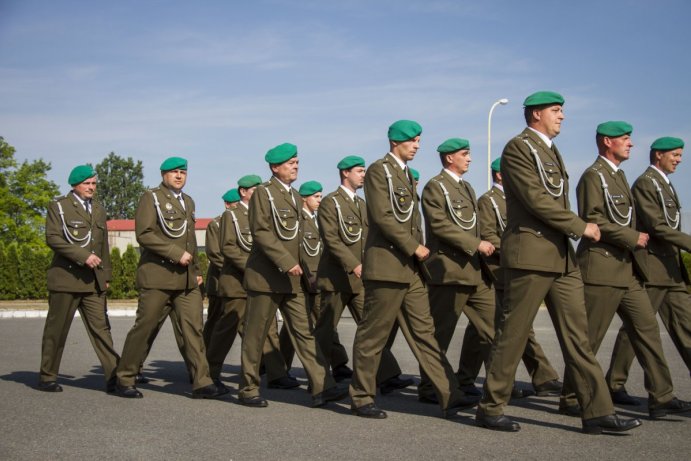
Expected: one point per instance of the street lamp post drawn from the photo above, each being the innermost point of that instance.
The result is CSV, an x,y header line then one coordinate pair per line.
x,y
489,140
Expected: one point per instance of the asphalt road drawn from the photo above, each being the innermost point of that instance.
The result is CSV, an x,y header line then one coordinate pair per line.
x,y
83,422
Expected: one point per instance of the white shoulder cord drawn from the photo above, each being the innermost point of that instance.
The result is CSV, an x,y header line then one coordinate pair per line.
x,y
277,221
612,210
71,238
311,250
671,222
500,220
348,236
546,182
242,241
402,215
172,232
457,219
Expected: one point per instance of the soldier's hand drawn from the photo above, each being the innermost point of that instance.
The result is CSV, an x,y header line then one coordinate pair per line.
x,y
485,248
200,280
295,270
642,240
421,252
592,231
92,261
358,271
186,259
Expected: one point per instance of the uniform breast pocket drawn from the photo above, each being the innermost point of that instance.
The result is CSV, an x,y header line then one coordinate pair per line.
x,y
460,208
403,197
77,229
287,218
174,220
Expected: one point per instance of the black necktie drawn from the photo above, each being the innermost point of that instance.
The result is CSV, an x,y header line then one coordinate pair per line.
x,y
182,202
87,206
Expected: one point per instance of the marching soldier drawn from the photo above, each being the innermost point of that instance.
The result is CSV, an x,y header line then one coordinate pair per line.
x,y
539,264
343,227
213,252
236,244
310,253
273,281
492,221
78,278
455,281
394,289
168,277
657,214
613,283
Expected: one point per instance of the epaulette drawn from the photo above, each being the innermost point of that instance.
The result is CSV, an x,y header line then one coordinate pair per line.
x,y
60,197
155,189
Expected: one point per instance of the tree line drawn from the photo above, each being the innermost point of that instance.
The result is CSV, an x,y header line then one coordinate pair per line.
x,y
23,271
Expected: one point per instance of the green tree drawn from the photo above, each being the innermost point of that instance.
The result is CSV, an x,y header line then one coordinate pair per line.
x,y
4,270
130,261
32,268
25,192
115,290
120,185
11,272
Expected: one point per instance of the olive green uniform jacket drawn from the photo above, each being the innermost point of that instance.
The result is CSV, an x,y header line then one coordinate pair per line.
x,y
272,256
159,266
343,227
67,272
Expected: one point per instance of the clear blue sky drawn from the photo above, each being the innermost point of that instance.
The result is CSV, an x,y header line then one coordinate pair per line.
x,y
220,82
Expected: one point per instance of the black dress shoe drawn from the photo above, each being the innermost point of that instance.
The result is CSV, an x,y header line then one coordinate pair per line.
x,y
284,382
609,423
673,406
211,391
342,372
496,423
519,393
369,411
428,399
395,383
49,386
570,410
111,385
470,389
621,397
219,384
128,392
330,395
141,379
549,388
464,403
257,401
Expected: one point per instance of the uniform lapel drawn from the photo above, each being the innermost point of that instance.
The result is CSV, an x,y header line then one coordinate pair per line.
x,y
80,210
402,175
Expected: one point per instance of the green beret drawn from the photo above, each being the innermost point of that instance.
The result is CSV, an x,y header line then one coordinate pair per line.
x,y
231,196
310,188
415,173
351,161
495,165
249,180
404,130
614,129
281,153
80,174
543,97
452,145
667,143
174,163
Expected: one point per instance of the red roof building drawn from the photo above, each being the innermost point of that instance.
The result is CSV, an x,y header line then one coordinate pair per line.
x,y
121,233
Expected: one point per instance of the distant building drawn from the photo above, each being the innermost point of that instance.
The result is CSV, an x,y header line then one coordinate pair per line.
x,y
121,233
